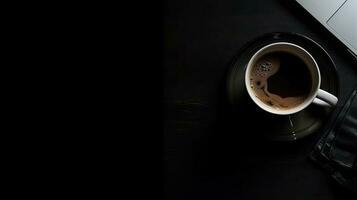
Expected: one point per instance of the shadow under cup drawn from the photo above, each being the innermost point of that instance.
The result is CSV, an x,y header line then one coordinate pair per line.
x,y
282,62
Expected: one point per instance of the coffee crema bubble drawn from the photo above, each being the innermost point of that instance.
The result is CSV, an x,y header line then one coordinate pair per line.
x,y
280,80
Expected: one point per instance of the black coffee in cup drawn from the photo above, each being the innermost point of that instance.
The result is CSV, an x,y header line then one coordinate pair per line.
x,y
281,80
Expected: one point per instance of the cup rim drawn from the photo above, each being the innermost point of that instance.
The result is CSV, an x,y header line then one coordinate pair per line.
x,y
267,108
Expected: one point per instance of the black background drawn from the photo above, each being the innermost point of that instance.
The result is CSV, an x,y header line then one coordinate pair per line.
x,y
206,154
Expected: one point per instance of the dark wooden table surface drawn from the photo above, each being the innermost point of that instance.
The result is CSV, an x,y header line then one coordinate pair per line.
x,y
206,154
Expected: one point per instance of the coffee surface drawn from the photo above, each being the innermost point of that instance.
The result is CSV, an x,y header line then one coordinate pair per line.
x,y
281,80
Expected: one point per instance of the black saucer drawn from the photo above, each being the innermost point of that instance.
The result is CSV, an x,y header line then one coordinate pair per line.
x,y
277,127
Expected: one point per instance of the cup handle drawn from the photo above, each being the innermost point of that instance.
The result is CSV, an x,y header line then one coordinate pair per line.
x,y
324,98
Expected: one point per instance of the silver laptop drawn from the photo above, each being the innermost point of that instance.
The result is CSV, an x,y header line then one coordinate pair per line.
x,y
338,16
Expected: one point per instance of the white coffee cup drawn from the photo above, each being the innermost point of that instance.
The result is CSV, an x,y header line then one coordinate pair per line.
x,y
316,95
